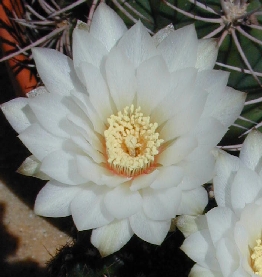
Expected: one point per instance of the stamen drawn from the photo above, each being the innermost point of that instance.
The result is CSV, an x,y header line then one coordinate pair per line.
x,y
256,258
131,142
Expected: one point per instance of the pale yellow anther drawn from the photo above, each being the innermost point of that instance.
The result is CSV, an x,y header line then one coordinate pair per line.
x,y
131,141
256,258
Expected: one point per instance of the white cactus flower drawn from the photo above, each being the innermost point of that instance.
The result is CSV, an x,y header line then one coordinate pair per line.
x,y
226,241
125,129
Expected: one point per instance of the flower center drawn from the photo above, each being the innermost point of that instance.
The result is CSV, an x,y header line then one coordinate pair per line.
x,y
256,258
234,10
131,142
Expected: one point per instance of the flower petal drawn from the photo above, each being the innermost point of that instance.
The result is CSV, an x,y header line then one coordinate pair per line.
x,y
189,224
212,81
152,231
251,151
86,48
54,199
18,113
199,248
121,202
199,169
121,79
221,222
161,204
57,71
52,110
199,271
208,131
183,52
61,166
93,121
225,170
226,256
227,108
206,54
143,180
153,82
31,167
177,151
107,26
168,177
110,238
88,210
193,202
181,91
97,90
40,142
246,188
184,121
137,44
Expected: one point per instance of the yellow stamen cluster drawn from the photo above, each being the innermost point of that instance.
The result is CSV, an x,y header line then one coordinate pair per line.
x,y
256,258
131,141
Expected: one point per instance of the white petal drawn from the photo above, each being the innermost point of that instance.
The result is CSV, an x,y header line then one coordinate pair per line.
x,y
221,222
189,224
137,44
31,167
199,169
54,199
228,107
193,202
181,92
178,151
18,113
121,202
37,91
185,120
213,81
153,82
83,144
40,142
110,238
227,256
107,26
209,131
163,33
98,173
56,71
88,210
251,151
152,231
86,48
61,166
161,204
200,249
206,54
243,238
51,111
168,177
225,170
245,188
144,180
112,180
121,79
83,101
250,225
199,271
179,49
97,89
